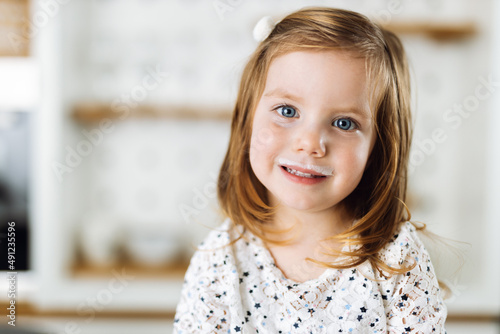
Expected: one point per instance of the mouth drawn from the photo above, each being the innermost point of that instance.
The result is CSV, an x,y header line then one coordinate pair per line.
x,y
302,174
304,170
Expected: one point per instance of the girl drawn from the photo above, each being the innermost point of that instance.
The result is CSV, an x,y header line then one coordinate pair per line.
x,y
317,238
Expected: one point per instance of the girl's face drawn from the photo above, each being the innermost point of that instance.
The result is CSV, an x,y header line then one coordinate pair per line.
x,y
312,130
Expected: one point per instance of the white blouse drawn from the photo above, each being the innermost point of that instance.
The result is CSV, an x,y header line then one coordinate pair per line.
x,y
239,289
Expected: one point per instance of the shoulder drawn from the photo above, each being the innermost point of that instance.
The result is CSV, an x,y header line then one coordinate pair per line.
x,y
417,282
215,249
217,237
209,284
412,298
406,251
216,254
404,248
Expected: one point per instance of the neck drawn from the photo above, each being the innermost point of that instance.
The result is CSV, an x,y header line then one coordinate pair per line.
x,y
304,227
305,239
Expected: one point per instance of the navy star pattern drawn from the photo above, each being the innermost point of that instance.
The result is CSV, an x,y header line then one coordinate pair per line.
x,y
343,301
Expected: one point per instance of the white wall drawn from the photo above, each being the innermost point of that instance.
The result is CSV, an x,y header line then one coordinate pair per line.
x,y
98,50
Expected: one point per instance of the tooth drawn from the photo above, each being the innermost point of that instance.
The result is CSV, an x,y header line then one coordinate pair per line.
x,y
296,172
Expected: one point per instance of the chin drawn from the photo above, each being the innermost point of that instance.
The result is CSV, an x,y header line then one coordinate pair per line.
x,y
301,204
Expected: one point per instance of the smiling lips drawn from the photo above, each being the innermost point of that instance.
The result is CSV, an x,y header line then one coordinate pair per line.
x,y
304,173
296,172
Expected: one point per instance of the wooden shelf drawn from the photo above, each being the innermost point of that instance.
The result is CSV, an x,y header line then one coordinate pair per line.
x,y
14,27
28,309
94,112
171,271
435,30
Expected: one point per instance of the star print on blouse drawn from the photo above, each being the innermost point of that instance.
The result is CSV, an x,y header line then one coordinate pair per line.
x,y
239,288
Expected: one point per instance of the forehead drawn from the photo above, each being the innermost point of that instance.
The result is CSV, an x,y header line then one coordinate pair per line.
x,y
333,76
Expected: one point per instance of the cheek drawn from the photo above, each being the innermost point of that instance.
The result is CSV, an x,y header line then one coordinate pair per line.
x,y
259,142
263,132
355,158
264,136
254,154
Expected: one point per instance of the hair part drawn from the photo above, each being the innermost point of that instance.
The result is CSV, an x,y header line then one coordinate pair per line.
x,y
377,203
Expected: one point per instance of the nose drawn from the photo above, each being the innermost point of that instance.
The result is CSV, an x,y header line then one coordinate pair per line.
x,y
310,141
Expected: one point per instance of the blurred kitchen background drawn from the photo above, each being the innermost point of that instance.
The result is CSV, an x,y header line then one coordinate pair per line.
x,y
114,119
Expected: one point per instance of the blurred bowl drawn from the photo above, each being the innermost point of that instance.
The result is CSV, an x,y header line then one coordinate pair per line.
x,y
99,240
153,249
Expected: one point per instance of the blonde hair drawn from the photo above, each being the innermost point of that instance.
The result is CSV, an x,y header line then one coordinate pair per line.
x,y
378,201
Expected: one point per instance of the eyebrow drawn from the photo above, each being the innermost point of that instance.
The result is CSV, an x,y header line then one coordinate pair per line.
x,y
279,92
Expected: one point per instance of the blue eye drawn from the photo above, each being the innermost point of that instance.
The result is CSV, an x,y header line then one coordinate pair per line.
x,y
344,124
287,111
